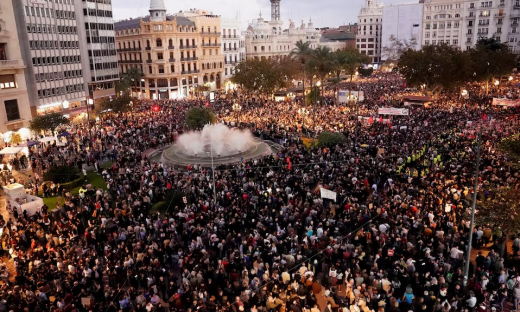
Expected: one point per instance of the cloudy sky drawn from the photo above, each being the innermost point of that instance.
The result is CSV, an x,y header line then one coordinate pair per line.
x,y
324,13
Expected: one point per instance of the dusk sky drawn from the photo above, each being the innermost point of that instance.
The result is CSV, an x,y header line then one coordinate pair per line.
x,y
324,13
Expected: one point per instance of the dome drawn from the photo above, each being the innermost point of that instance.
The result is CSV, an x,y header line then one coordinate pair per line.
x,y
157,5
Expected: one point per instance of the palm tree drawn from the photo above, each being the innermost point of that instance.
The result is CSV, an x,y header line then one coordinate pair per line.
x,y
338,60
322,57
352,60
302,53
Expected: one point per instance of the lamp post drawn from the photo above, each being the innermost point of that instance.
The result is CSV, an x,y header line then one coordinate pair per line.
x,y
302,112
237,108
89,102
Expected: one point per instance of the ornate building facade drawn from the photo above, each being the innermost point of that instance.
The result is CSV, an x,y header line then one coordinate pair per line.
x,y
370,24
175,53
265,39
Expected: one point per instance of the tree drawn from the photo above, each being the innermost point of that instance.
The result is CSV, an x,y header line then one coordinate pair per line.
x,y
201,89
302,53
511,147
500,208
314,95
264,75
115,105
132,78
396,48
346,61
491,59
48,122
198,117
435,67
327,138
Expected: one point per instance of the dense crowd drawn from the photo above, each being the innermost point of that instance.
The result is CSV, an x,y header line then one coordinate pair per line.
x,y
393,240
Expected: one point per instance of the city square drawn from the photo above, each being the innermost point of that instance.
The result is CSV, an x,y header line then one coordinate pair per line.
x,y
190,161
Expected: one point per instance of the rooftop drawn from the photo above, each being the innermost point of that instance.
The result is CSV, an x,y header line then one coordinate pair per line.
x,y
134,23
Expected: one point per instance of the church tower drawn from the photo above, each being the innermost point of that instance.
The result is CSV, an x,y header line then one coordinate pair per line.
x,y
275,10
157,10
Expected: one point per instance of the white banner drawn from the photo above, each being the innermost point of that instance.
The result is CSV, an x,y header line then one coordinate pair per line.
x,y
343,95
393,111
328,194
506,102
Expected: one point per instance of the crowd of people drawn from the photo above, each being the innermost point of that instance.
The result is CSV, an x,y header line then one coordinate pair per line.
x,y
157,239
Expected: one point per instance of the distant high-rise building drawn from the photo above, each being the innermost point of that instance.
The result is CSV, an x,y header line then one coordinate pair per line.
x,y
370,22
404,23
14,102
97,42
49,39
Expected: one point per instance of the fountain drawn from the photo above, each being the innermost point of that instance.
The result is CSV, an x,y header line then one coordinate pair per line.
x,y
217,142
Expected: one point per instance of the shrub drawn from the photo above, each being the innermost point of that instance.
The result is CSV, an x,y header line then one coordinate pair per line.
x,y
327,138
61,174
198,117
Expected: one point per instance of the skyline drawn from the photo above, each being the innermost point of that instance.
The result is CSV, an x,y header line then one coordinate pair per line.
x,y
336,13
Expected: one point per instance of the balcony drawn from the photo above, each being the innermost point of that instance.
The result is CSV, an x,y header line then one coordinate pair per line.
x,y
11,64
500,14
211,44
187,72
148,48
172,60
170,47
184,59
188,47
149,61
471,16
158,48
210,33
469,34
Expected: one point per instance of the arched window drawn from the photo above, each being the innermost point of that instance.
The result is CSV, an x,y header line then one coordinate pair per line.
x,y
158,42
170,43
161,69
148,43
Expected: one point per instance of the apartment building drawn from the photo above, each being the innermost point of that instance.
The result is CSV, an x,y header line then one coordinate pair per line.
x,y
369,35
15,111
97,42
48,34
462,22
175,53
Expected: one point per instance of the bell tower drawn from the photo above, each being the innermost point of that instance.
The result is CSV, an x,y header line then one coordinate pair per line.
x,y
275,10
157,10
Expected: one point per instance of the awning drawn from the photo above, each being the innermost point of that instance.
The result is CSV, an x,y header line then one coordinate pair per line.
x,y
28,144
65,134
47,139
10,150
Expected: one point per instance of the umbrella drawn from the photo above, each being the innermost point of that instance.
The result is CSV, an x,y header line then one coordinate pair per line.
x,y
65,134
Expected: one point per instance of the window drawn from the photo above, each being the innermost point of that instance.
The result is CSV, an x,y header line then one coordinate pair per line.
x,y
3,55
159,56
11,110
161,69
7,82
159,42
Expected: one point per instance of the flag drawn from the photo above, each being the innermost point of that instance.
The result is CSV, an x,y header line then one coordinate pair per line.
x,y
288,159
484,117
371,119
290,165
381,119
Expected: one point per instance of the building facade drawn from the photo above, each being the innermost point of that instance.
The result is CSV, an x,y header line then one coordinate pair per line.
x,y
462,22
370,23
50,45
230,38
97,41
15,109
402,22
265,39
174,53
344,33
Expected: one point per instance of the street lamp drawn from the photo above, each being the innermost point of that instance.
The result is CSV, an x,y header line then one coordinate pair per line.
x,y
510,78
302,112
89,102
65,104
497,82
237,108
